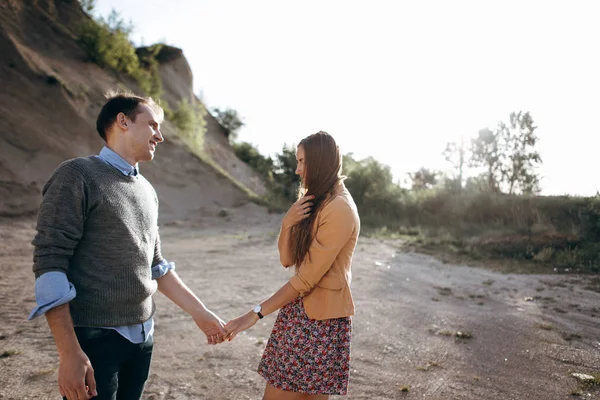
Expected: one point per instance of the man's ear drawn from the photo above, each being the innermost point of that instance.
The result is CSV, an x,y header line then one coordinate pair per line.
x,y
122,121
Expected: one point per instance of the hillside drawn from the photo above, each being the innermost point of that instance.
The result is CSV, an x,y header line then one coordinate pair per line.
x,y
51,94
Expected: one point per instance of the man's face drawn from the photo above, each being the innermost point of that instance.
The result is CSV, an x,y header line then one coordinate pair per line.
x,y
144,134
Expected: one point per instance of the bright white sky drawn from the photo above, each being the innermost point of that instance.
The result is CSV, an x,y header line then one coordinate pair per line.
x,y
395,80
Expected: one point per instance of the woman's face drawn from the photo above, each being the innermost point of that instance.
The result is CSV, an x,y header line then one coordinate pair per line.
x,y
300,160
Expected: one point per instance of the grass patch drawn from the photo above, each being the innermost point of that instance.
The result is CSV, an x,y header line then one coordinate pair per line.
x,y
40,374
462,251
592,384
463,335
521,234
443,291
476,296
546,327
382,232
9,353
429,366
594,285
571,336
554,284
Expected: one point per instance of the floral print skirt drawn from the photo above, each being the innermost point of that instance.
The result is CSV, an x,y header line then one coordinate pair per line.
x,y
306,355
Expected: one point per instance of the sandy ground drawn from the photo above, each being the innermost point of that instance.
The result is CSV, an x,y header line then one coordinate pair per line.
x,y
529,333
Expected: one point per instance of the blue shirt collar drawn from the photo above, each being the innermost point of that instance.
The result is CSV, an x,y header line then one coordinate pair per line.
x,y
118,162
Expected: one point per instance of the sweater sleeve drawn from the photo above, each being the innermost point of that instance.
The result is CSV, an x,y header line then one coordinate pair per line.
x,y
158,258
60,221
335,229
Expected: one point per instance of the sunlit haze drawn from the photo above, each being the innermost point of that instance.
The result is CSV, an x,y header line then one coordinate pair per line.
x,y
395,80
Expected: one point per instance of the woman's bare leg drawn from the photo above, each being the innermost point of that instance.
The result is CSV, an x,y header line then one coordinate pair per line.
x,y
272,393
315,397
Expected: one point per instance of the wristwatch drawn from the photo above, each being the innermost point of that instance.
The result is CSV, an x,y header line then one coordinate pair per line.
x,y
257,309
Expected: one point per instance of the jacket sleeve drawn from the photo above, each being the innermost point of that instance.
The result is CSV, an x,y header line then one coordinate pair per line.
x,y
337,223
284,243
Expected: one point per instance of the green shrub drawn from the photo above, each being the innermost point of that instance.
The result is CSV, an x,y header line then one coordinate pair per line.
x,y
230,120
147,75
251,156
190,123
106,42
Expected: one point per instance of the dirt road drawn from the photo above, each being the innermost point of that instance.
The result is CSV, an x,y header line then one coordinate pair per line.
x,y
439,331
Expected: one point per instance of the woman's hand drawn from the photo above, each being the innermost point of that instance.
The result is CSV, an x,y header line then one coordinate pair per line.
x,y
240,324
298,211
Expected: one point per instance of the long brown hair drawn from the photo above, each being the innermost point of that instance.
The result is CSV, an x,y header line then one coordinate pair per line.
x,y
322,172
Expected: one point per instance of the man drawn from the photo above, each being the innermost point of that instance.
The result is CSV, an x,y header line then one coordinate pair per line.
x,y
97,259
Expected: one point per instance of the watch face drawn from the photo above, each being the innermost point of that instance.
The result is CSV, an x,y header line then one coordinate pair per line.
x,y
257,308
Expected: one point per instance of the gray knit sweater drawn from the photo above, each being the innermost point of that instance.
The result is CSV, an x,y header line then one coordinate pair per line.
x,y
100,228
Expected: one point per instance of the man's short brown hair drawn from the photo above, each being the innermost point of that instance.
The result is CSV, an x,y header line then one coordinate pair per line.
x,y
126,103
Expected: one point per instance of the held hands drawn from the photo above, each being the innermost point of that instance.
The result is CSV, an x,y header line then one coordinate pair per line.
x,y
240,324
298,211
76,376
212,326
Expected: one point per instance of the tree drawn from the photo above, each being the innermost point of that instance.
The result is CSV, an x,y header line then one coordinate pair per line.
x,y
367,179
477,184
89,6
508,156
456,154
486,152
251,156
519,136
284,173
423,179
230,120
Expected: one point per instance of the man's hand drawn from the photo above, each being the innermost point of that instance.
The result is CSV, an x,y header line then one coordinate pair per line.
x,y
298,211
212,326
75,373
76,377
173,287
240,324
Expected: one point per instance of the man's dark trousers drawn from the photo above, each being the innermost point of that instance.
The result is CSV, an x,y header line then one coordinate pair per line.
x,y
121,368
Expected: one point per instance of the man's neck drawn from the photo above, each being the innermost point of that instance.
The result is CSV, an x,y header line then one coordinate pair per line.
x,y
123,154
112,158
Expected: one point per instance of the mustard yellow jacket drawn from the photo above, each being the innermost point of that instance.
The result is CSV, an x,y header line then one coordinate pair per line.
x,y
324,277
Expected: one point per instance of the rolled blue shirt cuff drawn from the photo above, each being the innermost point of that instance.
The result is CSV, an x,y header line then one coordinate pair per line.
x,y
160,270
52,289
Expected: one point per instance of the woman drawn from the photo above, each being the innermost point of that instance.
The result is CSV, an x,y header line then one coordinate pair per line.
x,y
308,353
